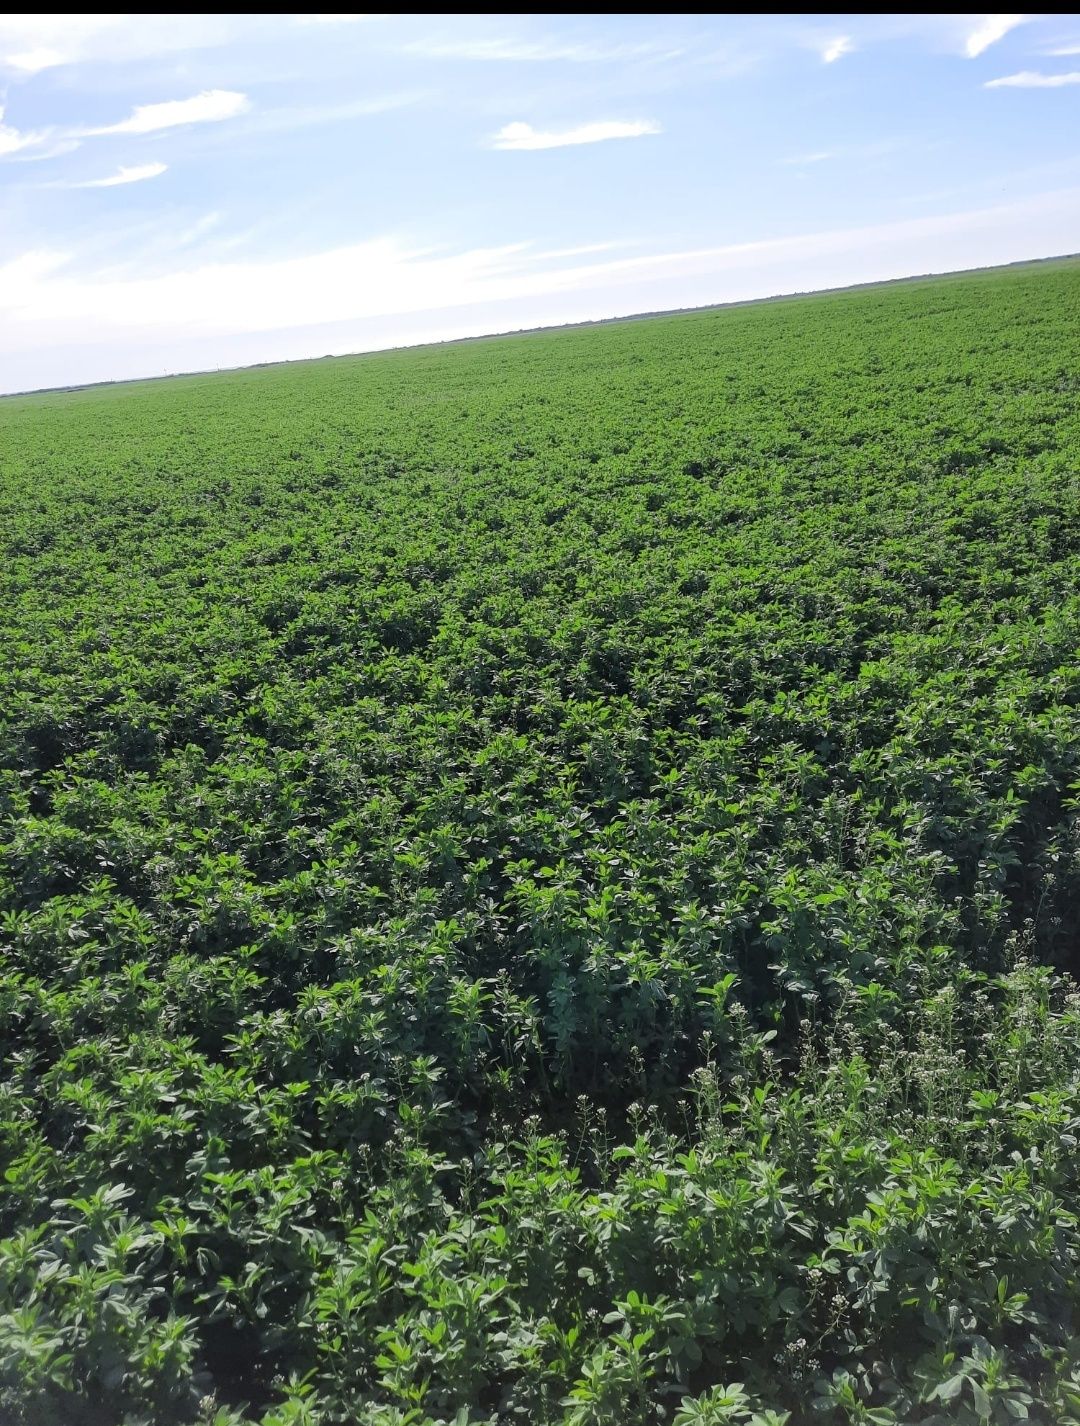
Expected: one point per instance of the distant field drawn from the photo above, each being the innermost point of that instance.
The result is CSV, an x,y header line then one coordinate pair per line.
x,y
540,878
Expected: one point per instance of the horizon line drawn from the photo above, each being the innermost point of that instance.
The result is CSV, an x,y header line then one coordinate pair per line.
x,y
511,332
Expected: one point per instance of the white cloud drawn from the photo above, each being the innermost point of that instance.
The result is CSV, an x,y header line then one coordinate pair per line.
x,y
45,289
536,51
949,33
270,120
1063,51
836,48
208,107
134,174
334,19
35,60
1031,79
61,323
554,254
29,270
194,231
14,140
45,147
31,43
524,136
877,149
991,29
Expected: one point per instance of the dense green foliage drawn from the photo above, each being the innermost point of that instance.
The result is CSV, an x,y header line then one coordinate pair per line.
x,y
540,877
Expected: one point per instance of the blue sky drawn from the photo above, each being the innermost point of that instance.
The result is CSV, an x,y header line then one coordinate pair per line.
x,y
182,192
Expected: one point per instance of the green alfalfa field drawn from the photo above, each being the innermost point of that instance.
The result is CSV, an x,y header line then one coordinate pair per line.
x,y
540,877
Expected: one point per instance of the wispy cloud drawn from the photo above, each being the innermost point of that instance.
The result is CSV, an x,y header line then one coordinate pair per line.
x,y
334,19
807,158
581,250
1031,79
47,146
300,117
536,51
524,136
990,29
379,277
875,149
134,174
14,140
35,60
210,106
30,44
836,48
194,231
1062,51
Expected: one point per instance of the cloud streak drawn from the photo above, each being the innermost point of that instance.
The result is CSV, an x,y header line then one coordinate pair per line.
x,y
523,136
35,60
1031,79
535,51
835,49
211,106
15,140
878,149
30,44
381,277
137,173
334,19
301,117
991,29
